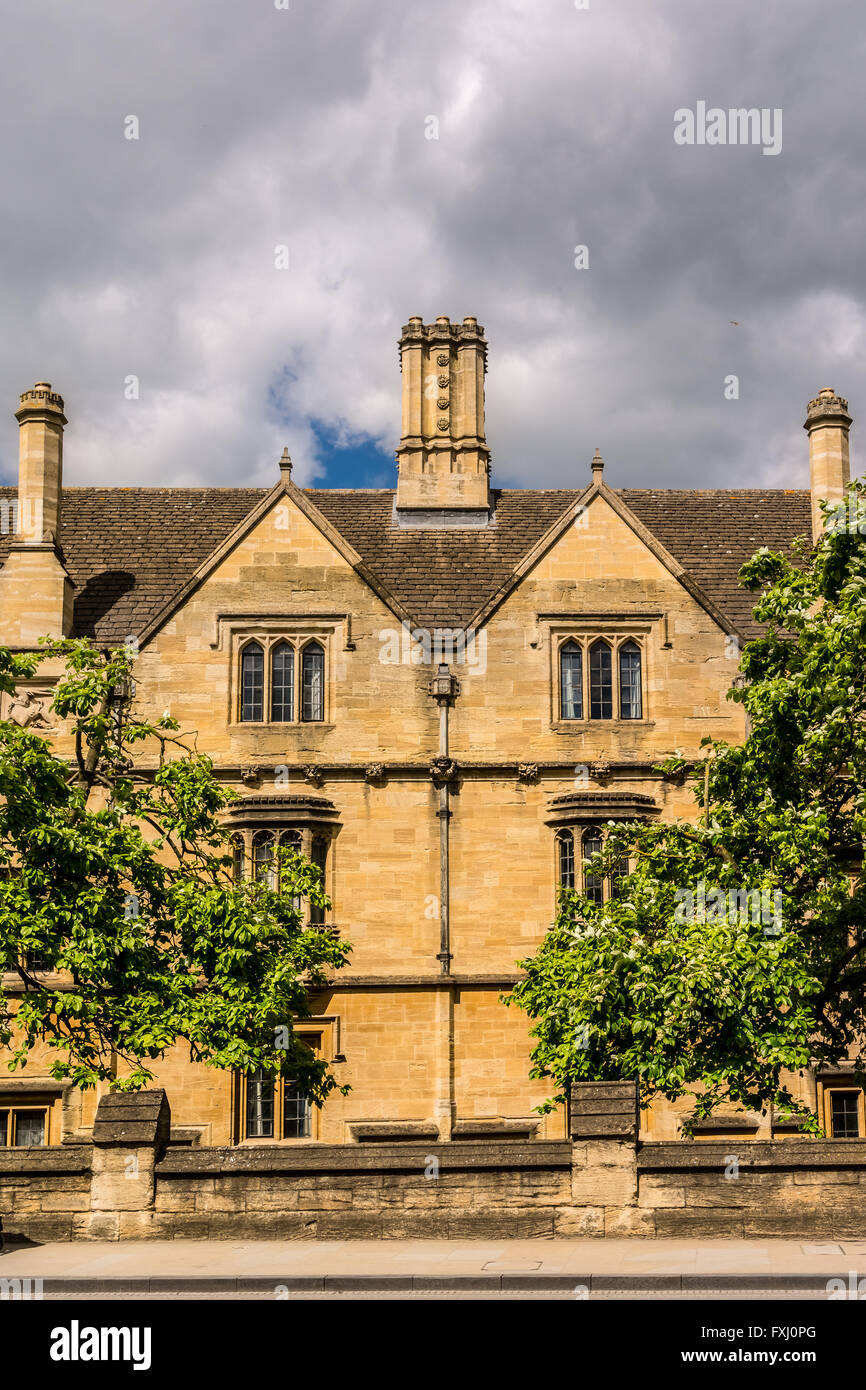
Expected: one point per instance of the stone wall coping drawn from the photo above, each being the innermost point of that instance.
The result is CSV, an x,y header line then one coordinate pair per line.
x,y
54,1158
402,1156
677,1155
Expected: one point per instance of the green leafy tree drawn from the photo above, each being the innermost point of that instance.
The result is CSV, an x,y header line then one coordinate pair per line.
x,y
683,980
118,913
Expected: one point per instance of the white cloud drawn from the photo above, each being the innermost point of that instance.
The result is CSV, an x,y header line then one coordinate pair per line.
x,y
306,127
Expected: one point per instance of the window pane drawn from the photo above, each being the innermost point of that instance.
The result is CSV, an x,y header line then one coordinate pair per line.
x,y
263,859
297,1112
29,1128
593,886
237,859
252,682
291,839
600,682
845,1114
282,683
260,1107
571,682
319,857
313,682
630,698
4,1128
618,877
566,859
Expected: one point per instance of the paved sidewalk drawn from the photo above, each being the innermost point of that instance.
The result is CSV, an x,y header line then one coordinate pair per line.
x,y
264,1267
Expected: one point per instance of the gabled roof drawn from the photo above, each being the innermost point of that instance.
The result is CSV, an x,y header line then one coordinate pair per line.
x,y
131,552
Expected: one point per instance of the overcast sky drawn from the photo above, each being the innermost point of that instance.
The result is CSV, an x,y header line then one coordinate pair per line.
x,y
307,127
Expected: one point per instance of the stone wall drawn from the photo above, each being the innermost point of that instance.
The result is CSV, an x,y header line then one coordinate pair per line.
x,y
129,1183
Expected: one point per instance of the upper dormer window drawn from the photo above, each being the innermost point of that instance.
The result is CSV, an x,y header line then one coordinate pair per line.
x,y
600,676
285,677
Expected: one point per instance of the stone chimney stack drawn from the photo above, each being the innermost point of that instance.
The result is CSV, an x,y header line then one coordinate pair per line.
x,y
443,459
827,423
40,464
35,589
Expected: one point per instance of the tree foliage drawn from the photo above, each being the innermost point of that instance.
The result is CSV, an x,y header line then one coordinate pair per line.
x,y
115,880
719,1004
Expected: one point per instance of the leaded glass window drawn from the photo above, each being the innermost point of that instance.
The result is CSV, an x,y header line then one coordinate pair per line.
x,y
593,885
238,858
291,839
297,1112
319,856
630,695
565,842
282,683
263,858
600,682
571,681
252,683
618,877
260,1106
313,682
845,1114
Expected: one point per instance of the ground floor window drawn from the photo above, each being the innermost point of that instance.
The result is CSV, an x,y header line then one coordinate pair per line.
x,y
843,1116
23,1127
276,1109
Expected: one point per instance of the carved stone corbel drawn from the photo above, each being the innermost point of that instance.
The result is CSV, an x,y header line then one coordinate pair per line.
x,y
442,770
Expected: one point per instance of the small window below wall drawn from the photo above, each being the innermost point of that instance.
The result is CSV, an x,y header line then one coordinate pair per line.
x,y
575,847
274,1109
23,1127
599,678
843,1111
282,680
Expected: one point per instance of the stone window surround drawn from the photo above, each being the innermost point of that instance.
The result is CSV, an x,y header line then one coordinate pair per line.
x,y
577,831
585,630
233,632
576,812
268,642
39,1095
324,1033
827,1084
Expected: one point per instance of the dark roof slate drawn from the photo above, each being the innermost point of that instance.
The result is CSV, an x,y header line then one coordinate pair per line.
x,y
130,550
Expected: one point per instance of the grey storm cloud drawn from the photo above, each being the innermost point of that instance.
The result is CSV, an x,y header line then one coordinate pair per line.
x,y
306,127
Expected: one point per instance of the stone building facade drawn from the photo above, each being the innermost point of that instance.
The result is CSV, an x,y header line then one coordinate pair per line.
x,y
441,692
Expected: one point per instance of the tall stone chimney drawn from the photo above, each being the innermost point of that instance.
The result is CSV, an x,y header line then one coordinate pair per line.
x,y
443,460
828,423
35,588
